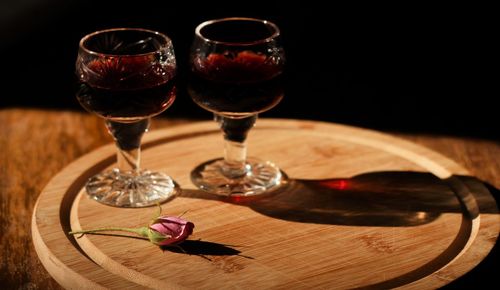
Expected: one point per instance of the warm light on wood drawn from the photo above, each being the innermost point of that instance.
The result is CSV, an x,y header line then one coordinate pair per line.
x,y
361,209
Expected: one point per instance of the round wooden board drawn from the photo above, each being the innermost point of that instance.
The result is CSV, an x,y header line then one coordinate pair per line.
x,y
360,209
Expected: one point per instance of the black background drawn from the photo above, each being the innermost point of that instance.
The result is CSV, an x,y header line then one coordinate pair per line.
x,y
412,67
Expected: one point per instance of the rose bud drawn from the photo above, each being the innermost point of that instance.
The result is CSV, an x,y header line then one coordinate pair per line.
x,y
169,230
162,231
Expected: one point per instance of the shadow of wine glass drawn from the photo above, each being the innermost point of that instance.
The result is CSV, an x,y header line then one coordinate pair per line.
x,y
383,199
487,270
388,198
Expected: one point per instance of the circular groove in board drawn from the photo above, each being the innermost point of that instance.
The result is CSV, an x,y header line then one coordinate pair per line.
x,y
362,209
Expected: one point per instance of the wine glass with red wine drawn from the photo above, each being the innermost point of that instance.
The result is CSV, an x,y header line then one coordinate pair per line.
x,y
236,73
126,76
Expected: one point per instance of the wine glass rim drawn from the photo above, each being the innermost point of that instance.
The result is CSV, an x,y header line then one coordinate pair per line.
x,y
202,25
168,41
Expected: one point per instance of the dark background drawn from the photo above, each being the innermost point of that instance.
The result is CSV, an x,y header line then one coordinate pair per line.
x,y
411,68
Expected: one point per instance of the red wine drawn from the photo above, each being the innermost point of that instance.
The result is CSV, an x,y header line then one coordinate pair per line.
x,y
125,89
236,85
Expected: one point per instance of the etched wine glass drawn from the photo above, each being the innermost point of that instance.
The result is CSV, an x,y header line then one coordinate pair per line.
x,y
236,73
126,76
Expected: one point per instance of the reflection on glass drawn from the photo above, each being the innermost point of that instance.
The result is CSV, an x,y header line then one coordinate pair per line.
x,y
237,66
126,76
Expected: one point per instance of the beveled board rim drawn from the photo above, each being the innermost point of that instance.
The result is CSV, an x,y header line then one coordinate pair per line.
x,y
55,208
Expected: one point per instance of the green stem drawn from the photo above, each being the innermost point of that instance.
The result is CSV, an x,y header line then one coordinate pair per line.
x,y
142,231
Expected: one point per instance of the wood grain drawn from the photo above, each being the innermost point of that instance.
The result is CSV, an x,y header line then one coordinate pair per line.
x,y
370,202
36,144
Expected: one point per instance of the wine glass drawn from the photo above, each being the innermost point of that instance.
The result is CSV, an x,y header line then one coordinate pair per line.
x,y
126,76
236,72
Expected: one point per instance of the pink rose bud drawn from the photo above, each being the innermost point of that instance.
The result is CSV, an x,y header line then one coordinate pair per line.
x,y
169,230
162,231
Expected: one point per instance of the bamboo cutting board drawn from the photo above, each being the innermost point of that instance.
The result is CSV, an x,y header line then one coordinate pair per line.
x,y
360,210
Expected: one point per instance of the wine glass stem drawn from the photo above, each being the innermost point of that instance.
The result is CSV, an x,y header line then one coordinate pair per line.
x,y
128,160
235,151
128,142
234,159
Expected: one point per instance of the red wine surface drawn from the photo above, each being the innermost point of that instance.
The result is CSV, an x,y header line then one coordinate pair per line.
x,y
238,84
126,88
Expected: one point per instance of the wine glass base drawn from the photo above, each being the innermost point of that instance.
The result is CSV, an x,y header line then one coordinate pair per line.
x,y
262,177
131,189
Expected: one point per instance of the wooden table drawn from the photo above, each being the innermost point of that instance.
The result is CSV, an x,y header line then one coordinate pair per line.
x,y
36,144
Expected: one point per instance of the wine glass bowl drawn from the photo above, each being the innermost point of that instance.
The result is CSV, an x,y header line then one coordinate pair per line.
x,y
237,66
126,76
